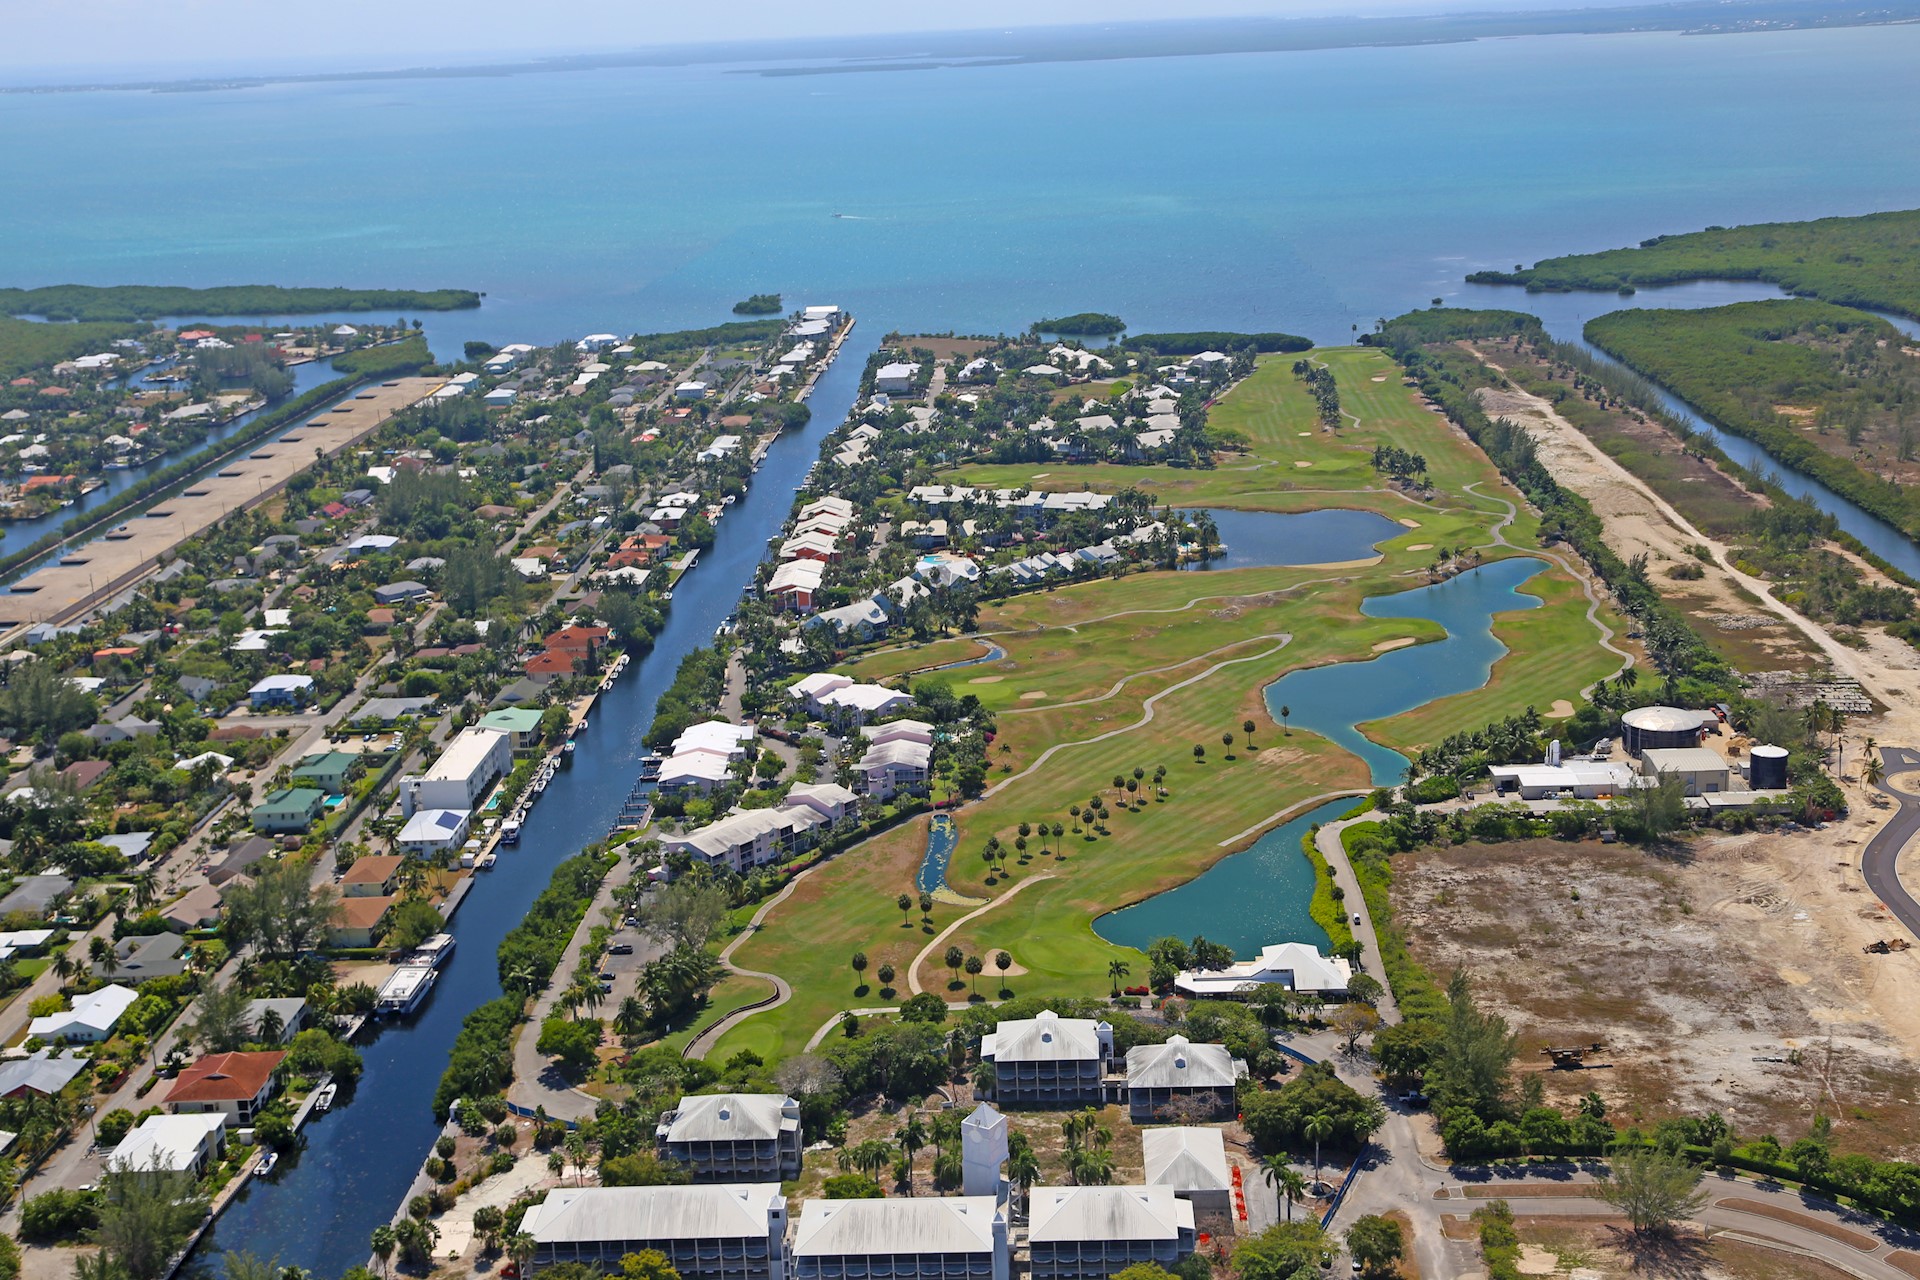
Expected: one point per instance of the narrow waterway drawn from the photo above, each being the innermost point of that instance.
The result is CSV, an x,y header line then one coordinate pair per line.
x,y
21,534
1565,316
321,1208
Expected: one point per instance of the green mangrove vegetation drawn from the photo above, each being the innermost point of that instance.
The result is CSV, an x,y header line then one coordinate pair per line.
x,y
27,344
1807,381
1083,324
1192,344
128,302
760,304
1867,261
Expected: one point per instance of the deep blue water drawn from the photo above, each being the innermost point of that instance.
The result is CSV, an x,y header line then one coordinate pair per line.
x,y
1331,700
1261,538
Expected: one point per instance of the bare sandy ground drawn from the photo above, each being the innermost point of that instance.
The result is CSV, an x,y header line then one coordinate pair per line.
x,y
1400,643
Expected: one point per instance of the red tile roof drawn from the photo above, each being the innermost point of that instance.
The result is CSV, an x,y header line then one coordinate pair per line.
x,y
226,1077
377,869
551,664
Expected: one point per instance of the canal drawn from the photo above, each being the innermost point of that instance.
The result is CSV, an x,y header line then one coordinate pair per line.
x,y
359,1159
1565,316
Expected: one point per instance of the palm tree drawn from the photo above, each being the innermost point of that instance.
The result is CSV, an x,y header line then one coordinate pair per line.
x,y
1003,962
384,1242
1287,1182
1317,1129
905,903
859,963
1285,711
1023,1168
631,1018
911,1136
1116,970
1874,771
520,1247
1246,728
974,967
143,891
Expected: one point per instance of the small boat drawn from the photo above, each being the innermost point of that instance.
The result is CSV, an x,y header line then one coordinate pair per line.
x,y
267,1164
434,951
583,725
402,993
510,832
487,860
566,754
323,1100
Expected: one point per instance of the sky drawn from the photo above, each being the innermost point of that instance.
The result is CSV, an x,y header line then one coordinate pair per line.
x,y
47,43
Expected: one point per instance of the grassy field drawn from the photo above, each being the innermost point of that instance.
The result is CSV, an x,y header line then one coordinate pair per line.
x,y
1104,677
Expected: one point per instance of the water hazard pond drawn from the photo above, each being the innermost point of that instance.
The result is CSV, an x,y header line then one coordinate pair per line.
x,y
1259,539
1261,895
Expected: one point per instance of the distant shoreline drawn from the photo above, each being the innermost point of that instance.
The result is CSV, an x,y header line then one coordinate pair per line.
x,y
960,50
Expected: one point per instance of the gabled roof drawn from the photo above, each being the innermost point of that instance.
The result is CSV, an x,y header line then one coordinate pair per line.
x,y
869,1228
716,1212
1075,1214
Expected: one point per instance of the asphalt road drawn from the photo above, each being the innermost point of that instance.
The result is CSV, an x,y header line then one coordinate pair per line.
x,y
1880,861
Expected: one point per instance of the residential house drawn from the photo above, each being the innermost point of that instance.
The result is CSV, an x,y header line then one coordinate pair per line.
x,y
432,831
359,921
235,1085
90,1021
281,691
733,1137
401,592
288,1013
863,621
1090,1233
830,800
1182,1080
897,378
706,1232
35,896
1049,1061
86,774
795,583
374,876
892,767
908,1238
240,859
197,908
138,959
326,770
289,811
520,724
171,1144
45,1073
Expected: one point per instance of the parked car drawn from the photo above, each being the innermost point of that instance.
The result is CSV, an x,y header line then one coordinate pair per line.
x,y
621,949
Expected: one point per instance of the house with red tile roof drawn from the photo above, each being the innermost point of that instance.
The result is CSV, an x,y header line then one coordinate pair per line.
x,y
235,1085
552,663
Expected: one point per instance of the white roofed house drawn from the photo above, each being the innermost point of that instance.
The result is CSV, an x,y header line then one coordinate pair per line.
x,y
91,1020
1049,1061
830,800
857,704
795,583
1297,966
171,1144
863,620
707,1232
1182,1080
899,731
1090,1233
733,1137
926,1238
1191,1162
896,378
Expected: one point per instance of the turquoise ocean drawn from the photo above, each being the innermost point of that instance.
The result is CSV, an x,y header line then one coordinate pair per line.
x,y
1308,192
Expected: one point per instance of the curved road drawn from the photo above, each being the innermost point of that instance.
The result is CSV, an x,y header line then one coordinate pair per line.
x,y
1880,861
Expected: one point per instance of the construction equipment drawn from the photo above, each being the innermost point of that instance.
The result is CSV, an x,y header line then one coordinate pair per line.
x,y
1571,1058
1886,945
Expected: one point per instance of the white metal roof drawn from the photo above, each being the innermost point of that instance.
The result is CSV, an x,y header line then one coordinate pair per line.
x,y
1061,1214
715,1212
1186,1158
1683,760
1181,1064
866,1228
466,754
166,1142
1047,1038
731,1117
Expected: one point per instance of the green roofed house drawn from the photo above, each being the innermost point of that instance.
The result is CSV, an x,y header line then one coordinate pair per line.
x,y
520,724
289,811
326,770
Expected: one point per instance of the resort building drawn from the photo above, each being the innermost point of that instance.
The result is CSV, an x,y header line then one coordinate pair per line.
x,y
1090,1233
1049,1061
750,838
889,768
707,1232
929,1238
733,1137
460,777
1182,1080
1191,1162
1296,966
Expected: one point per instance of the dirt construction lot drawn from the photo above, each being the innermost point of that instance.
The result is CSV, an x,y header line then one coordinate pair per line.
x,y
1727,978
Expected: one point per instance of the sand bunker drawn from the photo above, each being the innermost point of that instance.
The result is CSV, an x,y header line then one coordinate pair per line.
x,y
1411,524
1401,643
1560,709
986,680
1303,464
1306,433
1035,696
1420,546
1379,377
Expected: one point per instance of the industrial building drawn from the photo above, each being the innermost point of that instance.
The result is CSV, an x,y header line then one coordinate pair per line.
x,y
1663,728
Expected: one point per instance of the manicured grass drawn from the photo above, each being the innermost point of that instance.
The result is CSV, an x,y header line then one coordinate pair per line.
x,y
1110,646
893,660
731,993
